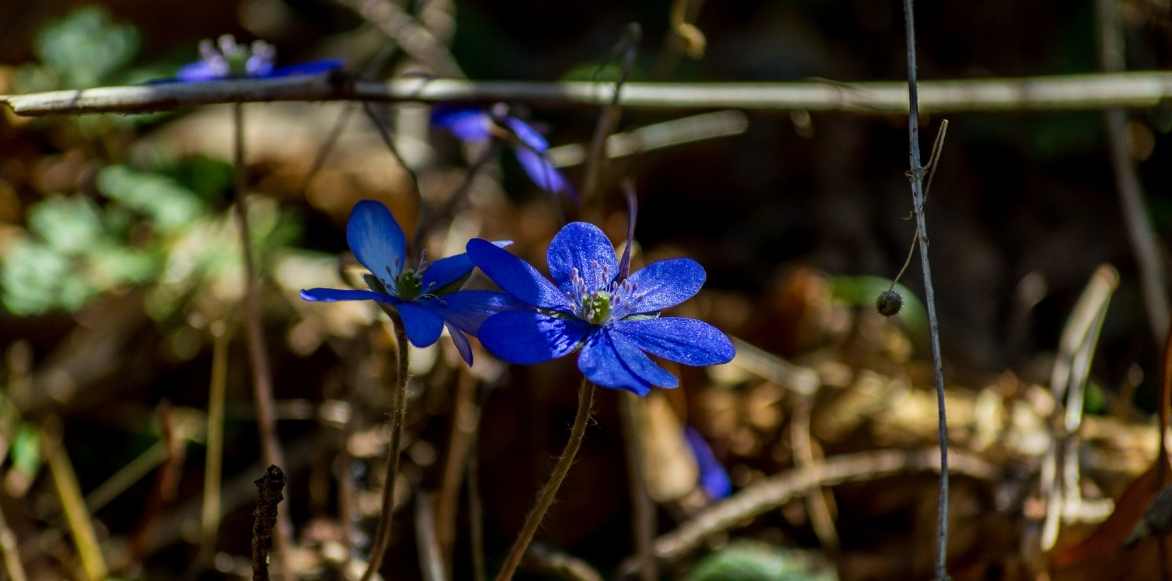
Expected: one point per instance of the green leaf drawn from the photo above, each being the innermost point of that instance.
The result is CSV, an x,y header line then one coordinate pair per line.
x,y
35,279
169,204
750,561
67,224
26,450
87,47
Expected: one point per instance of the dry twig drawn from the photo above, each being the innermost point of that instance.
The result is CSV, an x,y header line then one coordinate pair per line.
x,y
269,489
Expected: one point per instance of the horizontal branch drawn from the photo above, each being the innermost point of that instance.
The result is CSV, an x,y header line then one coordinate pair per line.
x,y
1071,92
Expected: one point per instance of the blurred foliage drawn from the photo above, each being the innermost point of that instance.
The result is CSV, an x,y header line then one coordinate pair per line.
x,y
81,50
169,204
750,561
158,224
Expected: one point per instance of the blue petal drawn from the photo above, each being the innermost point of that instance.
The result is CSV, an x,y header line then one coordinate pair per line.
x,y
467,310
639,363
200,71
467,124
516,276
678,339
376,240
713,477
660,285
601,364
259,65
423,325
543,173
582,247
310,68
460,340
446,271
527,134
331,295
529,337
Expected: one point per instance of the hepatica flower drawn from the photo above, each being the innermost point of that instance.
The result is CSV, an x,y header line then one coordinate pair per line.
x,y
590,305
226,59
477,125
424,295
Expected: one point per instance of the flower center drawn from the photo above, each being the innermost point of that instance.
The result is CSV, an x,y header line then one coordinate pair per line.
x,y
232,59
409,285
596,307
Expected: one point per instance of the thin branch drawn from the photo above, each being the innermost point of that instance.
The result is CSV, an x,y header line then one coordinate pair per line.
x,y
549,492
258,353
1140,90
917,181
127,476
411,36
775,491
930,167
1131,194
628,47
382,537
673,133
375,64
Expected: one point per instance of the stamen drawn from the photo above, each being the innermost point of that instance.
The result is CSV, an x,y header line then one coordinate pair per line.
x,y
409,284
578,285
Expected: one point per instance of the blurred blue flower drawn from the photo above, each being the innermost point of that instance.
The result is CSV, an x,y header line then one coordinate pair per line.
x,y
425,296
713,477
593,305
476,125
226,59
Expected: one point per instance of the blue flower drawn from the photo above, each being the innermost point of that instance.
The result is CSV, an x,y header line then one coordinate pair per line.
x,y
713,477
476,125
423,296
226,59
613,318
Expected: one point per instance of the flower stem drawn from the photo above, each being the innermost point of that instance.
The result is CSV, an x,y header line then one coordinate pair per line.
x,y
382,537
546,497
